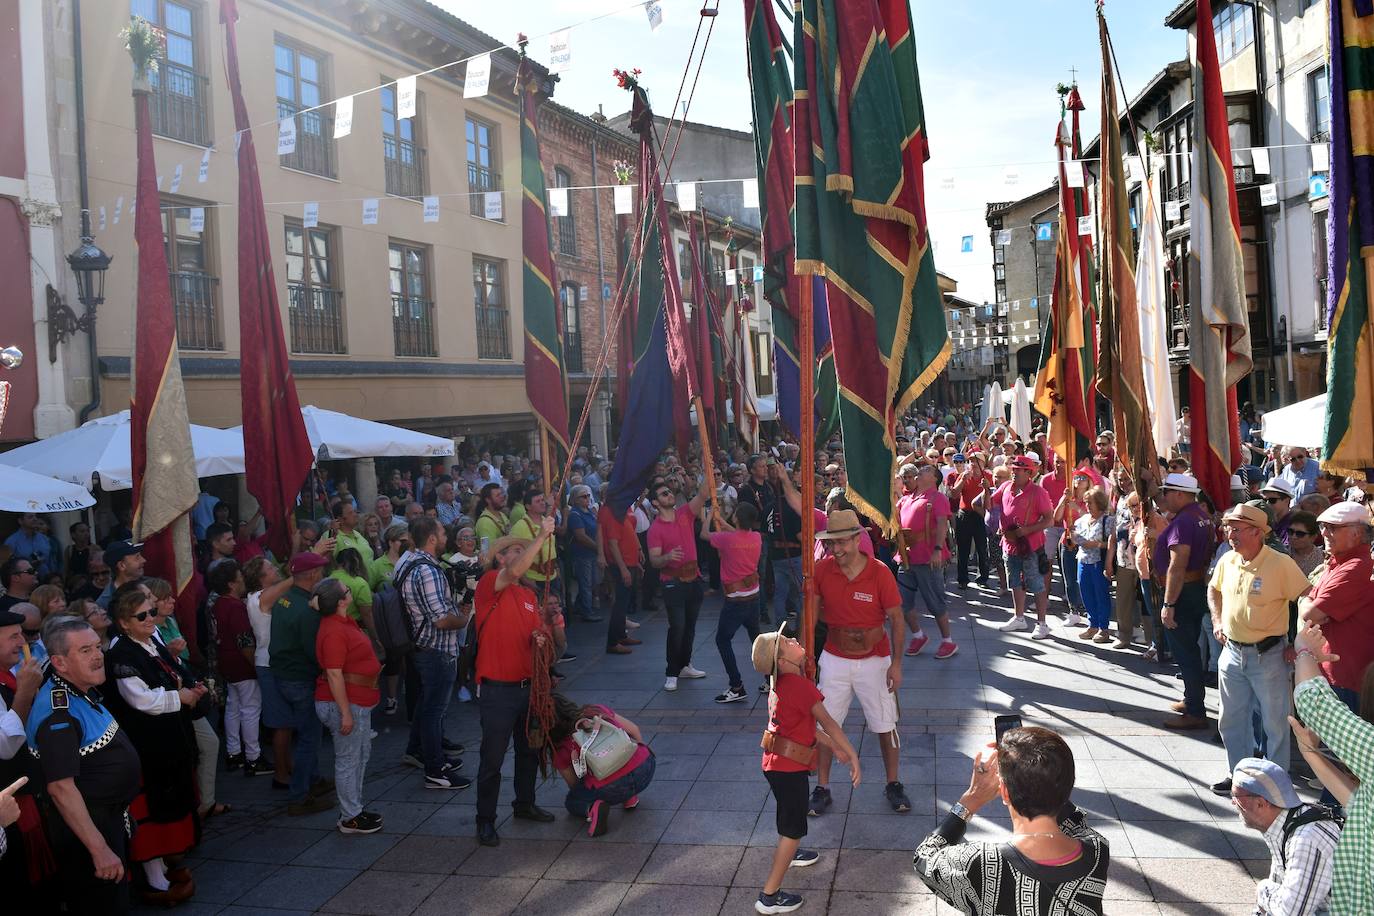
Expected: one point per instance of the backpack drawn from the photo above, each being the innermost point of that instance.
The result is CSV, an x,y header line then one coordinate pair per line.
x,y
1307,814
390,617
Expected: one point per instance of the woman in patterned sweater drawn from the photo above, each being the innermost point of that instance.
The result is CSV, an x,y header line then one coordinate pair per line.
x,y
1052,863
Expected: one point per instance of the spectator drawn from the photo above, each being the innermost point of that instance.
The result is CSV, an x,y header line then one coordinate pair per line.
x,y
1072,504
30,542
1339,601
446,505
219,544
345,695
1301,839
1054,862
397,541
589,797
493,522
436,624
1351,739
32,629
1026,511
1248,595
1300,473
291,658
19,576
351,568
585,550
507,619
371,527
673,551
739,546
76,559
385,511
1278,493
97,577
235,650
923,541
49,599
1303,545
264,586
464,568
73,736
351,535
971,485
154,698
1183,431
17,692
1182,553
545,567
620,548
98,618
125,559
1092,535
1121,558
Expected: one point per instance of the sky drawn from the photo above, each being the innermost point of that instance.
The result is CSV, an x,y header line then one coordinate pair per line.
x,y
988,74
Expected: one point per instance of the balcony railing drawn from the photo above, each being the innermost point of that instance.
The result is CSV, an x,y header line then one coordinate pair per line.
x,y
412,323
179,104
1322,287
405,167
198,325
493,332
481,180
317,324
1182,192
314,152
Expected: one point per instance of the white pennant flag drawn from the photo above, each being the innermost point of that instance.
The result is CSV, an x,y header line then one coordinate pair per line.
x,y
624,199
492,206
1173,211
1269,195
310,217
238,141
729,278
1260,156
119,208
687,196
1085,223
654,10
204,174
1321,157
1075,173
176,180
478,77
370,211
343,117
405,97
431,209
751,193
286,136
197,219
159,182
558,201
560,51
1003,237
102,219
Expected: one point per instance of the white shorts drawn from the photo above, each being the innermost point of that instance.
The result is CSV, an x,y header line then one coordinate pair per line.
x,y
842,678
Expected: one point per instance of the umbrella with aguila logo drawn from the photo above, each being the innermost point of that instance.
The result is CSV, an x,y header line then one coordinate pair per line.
x,y
24,491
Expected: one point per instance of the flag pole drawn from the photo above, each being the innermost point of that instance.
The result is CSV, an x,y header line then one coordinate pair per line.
x,y
547,463
807,434
707,461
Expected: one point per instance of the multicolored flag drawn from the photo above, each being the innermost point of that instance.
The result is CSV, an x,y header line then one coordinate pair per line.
x,y
1348,444
1219,330
1154,328
165,487
276,450
1119,370
546,378
1061,349
860,148
703,309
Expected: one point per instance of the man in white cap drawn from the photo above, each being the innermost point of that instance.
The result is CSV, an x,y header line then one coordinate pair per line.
x,y
1278,493
1339,601
1301,839
1182,554
1248,595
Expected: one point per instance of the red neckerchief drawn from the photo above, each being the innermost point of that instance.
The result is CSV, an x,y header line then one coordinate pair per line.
x,y
8,680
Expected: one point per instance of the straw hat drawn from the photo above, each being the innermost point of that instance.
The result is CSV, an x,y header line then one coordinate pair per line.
x,y
764,654
1248,514
841,523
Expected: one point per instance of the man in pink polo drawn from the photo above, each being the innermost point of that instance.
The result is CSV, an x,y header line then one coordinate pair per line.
x,y
1026,513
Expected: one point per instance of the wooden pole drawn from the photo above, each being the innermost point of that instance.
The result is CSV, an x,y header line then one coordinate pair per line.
x,y
546,463
707,461
807,434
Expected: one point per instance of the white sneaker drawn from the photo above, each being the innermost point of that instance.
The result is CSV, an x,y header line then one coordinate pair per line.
x,y
1138,634
1041,632
1016,623
689,672
1073,620
631,625
670,683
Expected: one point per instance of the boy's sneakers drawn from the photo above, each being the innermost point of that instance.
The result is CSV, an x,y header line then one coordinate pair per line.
x,y
820,800
733,695
689,672
763,688
597,820
391,707
447,778
365,822
947,648
779,902
670,683
1041,632
803,858
917,644
1015,624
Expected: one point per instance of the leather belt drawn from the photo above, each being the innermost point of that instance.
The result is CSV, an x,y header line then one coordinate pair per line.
x,y
1264,645
360,680
804,754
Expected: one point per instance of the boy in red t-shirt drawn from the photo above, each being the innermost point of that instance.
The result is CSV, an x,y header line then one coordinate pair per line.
x,y
795,709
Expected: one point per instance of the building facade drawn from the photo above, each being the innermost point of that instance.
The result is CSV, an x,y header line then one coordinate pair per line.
x,y
1023,234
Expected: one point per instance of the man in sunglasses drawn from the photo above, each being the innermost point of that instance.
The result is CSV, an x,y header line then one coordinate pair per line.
x,y
1300,473
1279,494
20,577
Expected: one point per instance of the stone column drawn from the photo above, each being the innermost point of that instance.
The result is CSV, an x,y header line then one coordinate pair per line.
x,y
600,422
248,505
365,483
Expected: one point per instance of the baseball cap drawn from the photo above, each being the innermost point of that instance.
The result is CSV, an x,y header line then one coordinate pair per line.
x,y
1025,463
960,456
121,549
1267,780
306,561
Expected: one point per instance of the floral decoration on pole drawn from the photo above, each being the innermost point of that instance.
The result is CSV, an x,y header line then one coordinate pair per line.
x,y
146,44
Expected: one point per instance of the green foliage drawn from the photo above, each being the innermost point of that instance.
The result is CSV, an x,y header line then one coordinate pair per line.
x,y
145,43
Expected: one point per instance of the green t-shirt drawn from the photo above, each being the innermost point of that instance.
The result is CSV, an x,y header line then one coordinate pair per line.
x,y
358,541
169,631
295,623
383,568
362,592
491,527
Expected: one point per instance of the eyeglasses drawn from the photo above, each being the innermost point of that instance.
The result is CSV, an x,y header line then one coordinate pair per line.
x,y
1300,533
1271,500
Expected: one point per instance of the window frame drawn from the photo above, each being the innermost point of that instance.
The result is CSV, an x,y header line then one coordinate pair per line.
x,y
206,276
426,274
389,103
330,292
567,225
1318,77
321,113
498,269
571,305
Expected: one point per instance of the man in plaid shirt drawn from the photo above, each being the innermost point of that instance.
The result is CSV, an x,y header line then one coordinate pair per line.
x,y
1301,839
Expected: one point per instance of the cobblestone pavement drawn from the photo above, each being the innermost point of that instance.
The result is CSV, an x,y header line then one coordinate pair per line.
x,y
701,839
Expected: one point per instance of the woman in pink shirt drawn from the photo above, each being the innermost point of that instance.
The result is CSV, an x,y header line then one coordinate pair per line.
x,y
739,546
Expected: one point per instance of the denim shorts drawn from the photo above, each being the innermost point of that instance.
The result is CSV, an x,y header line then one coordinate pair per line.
x,y
276,712
1023,571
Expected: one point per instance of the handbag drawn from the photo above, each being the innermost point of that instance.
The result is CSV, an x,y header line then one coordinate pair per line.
x,y
602,748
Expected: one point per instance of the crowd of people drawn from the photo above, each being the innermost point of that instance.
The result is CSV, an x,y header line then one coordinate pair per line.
x,y
124,702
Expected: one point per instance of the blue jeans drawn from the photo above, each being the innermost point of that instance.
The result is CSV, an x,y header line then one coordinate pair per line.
x,y
733,615
438,673
926,581
581,796
299,697
1189,616
584,570
1092,587
787,573
1248,679
1207,644
1068,569
1023,572
351,753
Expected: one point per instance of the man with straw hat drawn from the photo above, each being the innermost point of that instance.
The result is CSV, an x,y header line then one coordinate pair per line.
x,y
795,709
859,599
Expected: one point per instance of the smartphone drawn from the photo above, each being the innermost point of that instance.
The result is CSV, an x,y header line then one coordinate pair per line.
x,y
1004,724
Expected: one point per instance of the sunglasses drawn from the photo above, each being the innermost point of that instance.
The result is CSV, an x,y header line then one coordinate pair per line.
x,y
143,615
1300,533
1271,500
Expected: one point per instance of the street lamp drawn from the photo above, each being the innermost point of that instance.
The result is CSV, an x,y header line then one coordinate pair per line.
x,y
89,263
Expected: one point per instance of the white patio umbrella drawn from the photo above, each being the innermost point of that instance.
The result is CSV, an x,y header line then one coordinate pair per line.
x,y
985,409
995,406
1302,423
1021,409
100,447
24,491
335,435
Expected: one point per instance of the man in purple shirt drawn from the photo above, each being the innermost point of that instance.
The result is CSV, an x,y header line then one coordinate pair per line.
x,y
1182,554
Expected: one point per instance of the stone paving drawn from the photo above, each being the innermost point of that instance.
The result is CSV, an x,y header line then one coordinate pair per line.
x,y
701,840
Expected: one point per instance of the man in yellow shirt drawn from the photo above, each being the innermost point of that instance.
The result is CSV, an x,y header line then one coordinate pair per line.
x,y
1249,594
545,566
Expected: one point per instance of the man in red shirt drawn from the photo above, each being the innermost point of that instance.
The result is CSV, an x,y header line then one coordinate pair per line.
x,y
859,598
673,552
924,513
620,547
1339,603
1026,513
507,615
970,485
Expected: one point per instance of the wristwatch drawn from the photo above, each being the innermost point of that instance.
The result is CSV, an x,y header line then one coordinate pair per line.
x,y
958,810
1170,604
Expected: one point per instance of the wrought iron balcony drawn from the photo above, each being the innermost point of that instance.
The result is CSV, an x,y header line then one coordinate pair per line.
x,y
493,332
405,167
198,322
481,180
180,103
314,152
317,321
412,323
